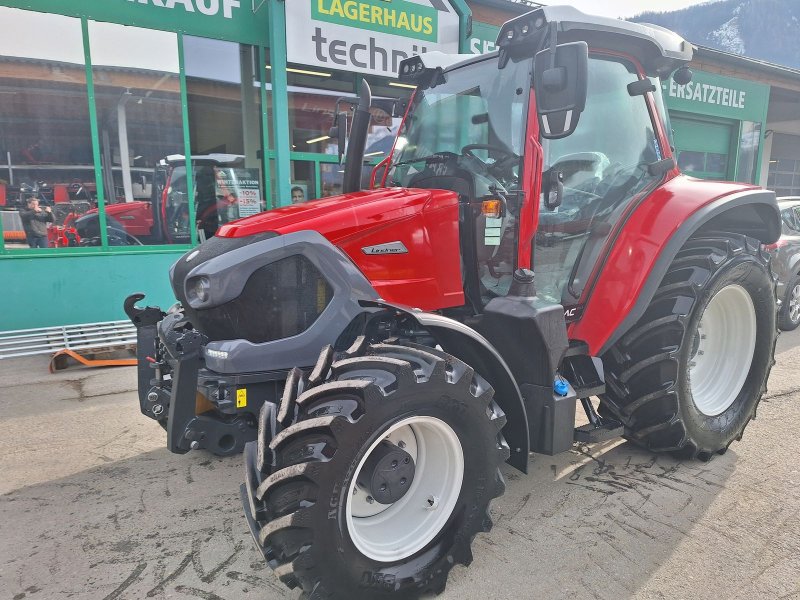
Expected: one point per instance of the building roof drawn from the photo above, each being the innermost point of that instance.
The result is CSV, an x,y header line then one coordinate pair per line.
x,y
744,62
519,6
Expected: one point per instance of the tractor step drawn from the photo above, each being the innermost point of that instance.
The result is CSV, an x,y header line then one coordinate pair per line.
x,y
592,434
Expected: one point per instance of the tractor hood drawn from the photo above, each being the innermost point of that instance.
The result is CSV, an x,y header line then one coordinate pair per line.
x,y
405,241
340,217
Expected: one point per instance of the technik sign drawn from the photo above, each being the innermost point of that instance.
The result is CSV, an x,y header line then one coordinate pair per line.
x,y
368,36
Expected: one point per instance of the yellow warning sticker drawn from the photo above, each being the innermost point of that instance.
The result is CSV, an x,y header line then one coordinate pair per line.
x,y
241,398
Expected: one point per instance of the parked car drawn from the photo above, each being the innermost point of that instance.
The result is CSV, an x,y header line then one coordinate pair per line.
x,y
786,263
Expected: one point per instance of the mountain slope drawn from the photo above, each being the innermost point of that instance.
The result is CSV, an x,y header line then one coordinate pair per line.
x,y
763,29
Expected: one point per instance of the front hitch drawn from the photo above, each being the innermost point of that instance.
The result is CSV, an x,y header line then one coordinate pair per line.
x,y
169,357
146,322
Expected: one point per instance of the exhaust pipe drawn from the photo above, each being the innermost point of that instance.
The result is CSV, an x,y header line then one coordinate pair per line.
x,y
358,141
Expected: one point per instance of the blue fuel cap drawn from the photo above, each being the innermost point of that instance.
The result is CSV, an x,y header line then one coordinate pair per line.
x,y
561,387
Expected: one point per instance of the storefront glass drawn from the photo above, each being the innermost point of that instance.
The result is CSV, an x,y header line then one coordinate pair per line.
x,y
140,123
312,106
748,151
304,181
224,97
332,175
784,177
45,136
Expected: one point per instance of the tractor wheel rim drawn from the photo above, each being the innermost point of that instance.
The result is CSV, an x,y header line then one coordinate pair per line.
x,y
724,346
393,532
794,304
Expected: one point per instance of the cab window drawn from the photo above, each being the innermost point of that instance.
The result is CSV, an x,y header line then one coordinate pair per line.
x,y
604,165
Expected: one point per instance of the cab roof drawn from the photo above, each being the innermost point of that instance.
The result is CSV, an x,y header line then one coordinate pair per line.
x,y
659,50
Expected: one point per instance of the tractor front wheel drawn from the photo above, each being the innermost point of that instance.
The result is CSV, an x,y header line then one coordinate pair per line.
x,y
689,375
380,474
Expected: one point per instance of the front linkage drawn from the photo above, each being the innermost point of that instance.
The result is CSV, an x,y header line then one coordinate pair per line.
x,y
197,407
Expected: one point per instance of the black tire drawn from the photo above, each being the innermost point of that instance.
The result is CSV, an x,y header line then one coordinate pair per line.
x,y
345,407
785,321
647,371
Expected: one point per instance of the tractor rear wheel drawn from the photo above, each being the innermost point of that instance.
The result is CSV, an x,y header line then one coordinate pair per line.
x,y
687,378
383,473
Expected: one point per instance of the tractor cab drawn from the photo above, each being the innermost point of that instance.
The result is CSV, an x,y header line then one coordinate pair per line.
x,y
219,182
551,139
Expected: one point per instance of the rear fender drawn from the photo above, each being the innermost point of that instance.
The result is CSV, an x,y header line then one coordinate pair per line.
x,y
615,306
468,345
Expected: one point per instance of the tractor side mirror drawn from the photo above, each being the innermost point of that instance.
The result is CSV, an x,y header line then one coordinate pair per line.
x,y
553,188
560,76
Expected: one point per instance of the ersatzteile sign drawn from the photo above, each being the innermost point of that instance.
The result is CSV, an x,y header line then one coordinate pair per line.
x,y
368,36
719,96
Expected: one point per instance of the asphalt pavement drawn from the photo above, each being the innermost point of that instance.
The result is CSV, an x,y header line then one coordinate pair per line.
x,y
92,506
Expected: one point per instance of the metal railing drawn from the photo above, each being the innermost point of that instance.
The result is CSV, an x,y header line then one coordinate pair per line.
x,y
48,340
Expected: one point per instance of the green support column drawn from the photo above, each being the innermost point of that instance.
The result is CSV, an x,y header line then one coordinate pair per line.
x,y
280,101
465,28
265,125
93,128
187,145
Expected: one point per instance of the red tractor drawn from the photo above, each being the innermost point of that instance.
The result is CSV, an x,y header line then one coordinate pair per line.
x,y
428,352
164,219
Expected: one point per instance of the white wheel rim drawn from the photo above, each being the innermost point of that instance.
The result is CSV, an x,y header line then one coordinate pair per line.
x,y
396,531
724,346
794,304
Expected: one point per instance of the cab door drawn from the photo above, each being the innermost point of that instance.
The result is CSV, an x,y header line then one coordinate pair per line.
x,y
604,168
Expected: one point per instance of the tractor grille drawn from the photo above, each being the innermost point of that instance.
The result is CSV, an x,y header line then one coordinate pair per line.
x,y
279,300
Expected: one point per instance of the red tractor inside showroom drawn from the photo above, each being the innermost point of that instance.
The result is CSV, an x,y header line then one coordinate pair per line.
x,y
387,350
164,218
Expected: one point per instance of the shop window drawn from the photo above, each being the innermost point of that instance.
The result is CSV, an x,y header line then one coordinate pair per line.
x,y
784,176
224,92
304,182
716,163
748,151
690,161
140,122
312,106
45,139
332,176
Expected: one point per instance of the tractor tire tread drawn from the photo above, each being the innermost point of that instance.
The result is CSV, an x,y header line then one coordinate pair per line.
x,y
639,391
289,493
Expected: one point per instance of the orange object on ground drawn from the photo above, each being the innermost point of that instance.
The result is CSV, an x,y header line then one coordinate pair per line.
x,y
58,365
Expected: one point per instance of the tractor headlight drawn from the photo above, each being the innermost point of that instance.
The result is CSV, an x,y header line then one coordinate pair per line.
x,y
201,289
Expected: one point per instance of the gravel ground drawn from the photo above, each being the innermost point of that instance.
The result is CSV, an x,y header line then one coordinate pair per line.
x,y
93,506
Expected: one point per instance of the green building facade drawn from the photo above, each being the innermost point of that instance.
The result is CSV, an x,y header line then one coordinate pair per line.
x,y
102,101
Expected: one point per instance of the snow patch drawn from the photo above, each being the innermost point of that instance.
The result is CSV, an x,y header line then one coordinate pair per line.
x,y
728,37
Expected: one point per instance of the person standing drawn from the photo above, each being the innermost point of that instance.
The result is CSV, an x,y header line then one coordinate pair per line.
x,y
34,222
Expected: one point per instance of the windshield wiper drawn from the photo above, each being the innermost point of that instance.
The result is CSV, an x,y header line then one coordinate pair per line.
x,y
433,158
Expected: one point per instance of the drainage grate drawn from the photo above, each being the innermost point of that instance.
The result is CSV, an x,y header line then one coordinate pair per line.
x,y
47,340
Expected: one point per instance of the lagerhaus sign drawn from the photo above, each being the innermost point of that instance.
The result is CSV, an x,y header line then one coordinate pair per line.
x,y
368,36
